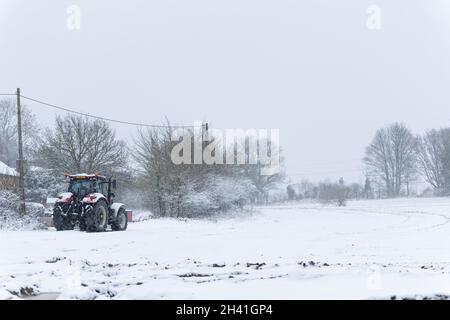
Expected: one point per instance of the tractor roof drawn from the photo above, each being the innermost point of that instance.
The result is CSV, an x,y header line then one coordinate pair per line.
x,y
85,176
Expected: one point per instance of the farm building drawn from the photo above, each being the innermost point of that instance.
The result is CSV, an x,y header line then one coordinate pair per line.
x,y
9,178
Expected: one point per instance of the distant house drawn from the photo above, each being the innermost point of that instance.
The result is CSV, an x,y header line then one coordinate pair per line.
x,y
9,178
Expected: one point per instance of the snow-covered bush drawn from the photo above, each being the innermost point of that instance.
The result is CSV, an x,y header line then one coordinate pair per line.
x,y
216,193
142,216
8,201
35,209
43,183
192,190
11,219
277,194
333,193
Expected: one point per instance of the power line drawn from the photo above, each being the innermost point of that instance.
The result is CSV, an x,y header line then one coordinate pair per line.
x,y
332,162
103,118
320,173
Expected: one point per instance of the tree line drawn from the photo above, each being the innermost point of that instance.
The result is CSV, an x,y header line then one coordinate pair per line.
x,y
394,160
143,167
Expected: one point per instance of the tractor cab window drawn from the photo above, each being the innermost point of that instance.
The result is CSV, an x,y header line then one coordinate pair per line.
x,y
100,187
82,188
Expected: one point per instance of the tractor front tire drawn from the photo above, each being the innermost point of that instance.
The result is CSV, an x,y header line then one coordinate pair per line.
x,y
120,223
61,222
97,218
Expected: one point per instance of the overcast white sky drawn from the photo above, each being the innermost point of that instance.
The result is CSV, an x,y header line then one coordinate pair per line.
x,y
310,68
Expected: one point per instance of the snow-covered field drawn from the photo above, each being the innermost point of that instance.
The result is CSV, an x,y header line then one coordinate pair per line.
x,y
369,249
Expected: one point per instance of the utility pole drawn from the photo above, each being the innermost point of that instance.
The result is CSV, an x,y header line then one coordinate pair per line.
x,y
20,164
205,128
204,133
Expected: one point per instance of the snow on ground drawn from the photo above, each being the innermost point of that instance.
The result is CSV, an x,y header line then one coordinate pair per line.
x,y
369,249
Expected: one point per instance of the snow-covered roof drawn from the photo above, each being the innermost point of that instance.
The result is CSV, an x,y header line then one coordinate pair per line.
x,y
5,170
85,176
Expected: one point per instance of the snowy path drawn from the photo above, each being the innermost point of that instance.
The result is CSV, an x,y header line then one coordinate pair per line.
x,y
369,249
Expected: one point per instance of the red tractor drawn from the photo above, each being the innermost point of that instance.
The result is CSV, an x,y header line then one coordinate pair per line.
x,y
89,202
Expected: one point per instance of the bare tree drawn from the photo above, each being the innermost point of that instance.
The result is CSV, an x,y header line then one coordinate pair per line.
x,y
187,189
434,158
391,157
333,192
152,153
292,195
78,144
368,191
8,132
263,180
356,191
308,189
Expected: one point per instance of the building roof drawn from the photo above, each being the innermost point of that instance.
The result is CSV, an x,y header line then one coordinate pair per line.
x,y
7,171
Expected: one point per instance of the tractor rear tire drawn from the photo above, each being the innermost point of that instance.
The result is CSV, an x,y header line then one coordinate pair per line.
x,y
120,223
97,218
61,222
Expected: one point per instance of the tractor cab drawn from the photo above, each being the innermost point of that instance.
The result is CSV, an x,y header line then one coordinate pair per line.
x,y
83,185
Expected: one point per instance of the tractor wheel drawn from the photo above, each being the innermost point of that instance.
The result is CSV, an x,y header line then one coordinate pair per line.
x,y
97,218
62,223
120,223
